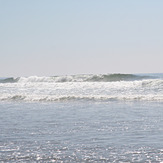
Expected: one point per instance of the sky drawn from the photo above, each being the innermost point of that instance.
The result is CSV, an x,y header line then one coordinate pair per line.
x,y
63,37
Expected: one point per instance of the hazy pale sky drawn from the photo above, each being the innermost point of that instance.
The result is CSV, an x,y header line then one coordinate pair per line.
x,y
58,37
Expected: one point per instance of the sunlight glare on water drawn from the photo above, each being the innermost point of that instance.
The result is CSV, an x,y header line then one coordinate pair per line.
x,y
81,132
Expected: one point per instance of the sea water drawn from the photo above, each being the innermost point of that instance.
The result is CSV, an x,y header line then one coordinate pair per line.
x,y
82,118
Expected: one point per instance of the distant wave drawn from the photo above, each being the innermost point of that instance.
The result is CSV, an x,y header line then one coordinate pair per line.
x,y
9,80
116,77
78,78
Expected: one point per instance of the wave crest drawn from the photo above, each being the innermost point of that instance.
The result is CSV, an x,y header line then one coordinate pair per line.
x,y
82,78
9,80
115,77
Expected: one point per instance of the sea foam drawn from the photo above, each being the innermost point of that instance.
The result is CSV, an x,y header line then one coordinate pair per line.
x,y
82,87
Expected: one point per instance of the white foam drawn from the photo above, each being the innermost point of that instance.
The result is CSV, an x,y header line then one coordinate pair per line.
x,y
45,89
84,78
46,98
35,79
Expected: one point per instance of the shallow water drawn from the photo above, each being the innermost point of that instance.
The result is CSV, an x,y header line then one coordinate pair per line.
x,y
81,131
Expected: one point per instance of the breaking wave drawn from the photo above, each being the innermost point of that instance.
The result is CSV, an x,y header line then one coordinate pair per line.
x,y
122,87
98,98
9,80
77,78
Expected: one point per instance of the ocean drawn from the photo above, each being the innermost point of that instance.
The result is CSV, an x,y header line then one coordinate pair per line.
x,y
82,118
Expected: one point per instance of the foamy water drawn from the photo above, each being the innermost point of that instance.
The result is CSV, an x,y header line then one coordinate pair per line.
x,y
83,87
82,118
